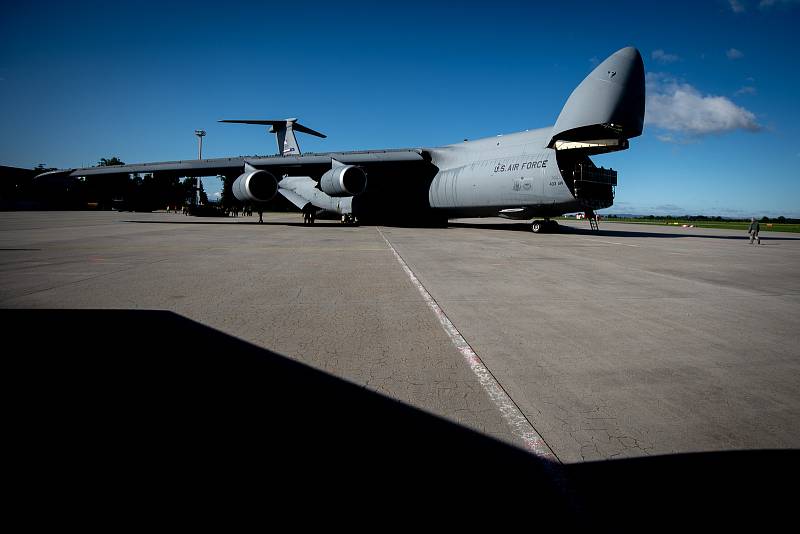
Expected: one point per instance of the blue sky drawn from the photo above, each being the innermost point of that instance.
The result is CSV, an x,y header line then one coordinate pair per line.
x,y
85,80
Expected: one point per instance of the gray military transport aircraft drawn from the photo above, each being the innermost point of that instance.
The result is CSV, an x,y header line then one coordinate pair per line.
x,y
535,174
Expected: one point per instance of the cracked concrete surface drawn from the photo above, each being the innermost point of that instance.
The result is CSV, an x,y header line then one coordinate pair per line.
x,y
639,340
636,341
330,296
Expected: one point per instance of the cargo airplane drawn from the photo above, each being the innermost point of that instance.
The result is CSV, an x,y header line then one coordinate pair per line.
x,y
535,174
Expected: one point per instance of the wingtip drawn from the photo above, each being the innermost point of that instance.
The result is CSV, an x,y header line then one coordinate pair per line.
x,y
59,173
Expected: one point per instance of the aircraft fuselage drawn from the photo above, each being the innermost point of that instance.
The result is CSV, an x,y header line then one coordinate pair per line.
x,y
503,172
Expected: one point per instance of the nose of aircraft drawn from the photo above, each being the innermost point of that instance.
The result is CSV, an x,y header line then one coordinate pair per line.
x,y
609,102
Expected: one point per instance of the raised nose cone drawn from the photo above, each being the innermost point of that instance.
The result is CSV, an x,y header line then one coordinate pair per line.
x,y
608,103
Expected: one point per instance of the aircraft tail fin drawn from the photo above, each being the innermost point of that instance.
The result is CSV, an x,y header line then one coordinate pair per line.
x,y
284,130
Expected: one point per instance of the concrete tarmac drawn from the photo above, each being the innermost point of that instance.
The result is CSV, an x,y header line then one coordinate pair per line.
x,y
634,341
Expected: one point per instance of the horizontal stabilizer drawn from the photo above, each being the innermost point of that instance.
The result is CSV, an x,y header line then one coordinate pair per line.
x,y
296,126
284,131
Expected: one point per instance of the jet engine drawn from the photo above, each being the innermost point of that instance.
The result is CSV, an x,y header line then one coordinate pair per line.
x,y
344,181
255,186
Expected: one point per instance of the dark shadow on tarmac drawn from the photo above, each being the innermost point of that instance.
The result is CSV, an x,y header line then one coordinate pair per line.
x,y
517,227
317,222
608,231
132,417
265,223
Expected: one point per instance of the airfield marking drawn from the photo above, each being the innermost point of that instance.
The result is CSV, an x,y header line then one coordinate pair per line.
x,y
520,426
623,244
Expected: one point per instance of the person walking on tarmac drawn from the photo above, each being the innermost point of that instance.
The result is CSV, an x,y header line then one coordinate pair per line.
x,y
753,231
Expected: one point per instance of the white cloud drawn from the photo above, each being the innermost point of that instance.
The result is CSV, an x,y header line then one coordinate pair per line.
x,y
679,107
732,53
663,57
746,90
736,6
669,138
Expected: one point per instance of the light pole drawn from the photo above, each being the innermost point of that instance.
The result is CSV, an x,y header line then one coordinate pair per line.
x,y
200,134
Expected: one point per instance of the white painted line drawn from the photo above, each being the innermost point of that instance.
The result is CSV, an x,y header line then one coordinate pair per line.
x,y
511,413
595,240
623,244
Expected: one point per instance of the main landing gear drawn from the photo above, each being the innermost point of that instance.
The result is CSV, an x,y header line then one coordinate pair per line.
x,y
308,216
349,219
547,225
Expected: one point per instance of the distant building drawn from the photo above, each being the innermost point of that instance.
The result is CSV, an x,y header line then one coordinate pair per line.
x,y
16,188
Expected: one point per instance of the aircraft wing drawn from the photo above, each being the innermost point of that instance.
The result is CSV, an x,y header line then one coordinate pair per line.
x,y
397,179
309,164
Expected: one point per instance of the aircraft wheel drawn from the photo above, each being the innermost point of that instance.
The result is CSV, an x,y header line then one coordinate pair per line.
x,y
537,227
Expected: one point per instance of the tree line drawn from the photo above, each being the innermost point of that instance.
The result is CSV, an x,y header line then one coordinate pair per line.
x,y
700,218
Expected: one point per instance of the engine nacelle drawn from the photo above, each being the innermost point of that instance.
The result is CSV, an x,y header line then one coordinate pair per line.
x,y
344,181
255,186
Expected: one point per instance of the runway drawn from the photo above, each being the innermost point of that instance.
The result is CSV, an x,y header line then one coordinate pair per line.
x,y
634,341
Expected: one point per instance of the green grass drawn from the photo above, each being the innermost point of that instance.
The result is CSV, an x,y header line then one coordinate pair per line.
x,y
726,225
